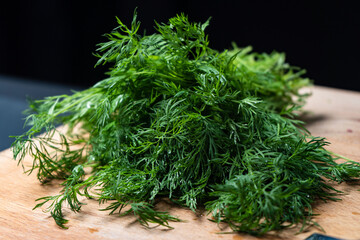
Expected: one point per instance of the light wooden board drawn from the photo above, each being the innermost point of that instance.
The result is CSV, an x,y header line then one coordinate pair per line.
x,y
334,114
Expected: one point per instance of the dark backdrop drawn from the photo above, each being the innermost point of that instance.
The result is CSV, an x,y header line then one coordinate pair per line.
x,y
54,40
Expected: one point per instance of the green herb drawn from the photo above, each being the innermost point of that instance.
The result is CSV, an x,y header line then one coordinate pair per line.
x,y
177,119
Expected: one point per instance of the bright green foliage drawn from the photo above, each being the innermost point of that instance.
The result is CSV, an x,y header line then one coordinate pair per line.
x,y
180,120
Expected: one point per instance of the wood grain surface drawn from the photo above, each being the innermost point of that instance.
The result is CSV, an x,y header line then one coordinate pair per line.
x,y
331,113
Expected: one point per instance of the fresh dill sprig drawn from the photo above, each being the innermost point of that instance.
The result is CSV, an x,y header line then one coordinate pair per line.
x,y
177,119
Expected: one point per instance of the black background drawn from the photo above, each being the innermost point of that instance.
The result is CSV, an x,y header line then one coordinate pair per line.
x,y
53,41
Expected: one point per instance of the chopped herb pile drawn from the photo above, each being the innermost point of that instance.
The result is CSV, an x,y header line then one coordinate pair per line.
x,y
177,119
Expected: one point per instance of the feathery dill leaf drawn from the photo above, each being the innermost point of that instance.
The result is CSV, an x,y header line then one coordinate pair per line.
x,y
177,119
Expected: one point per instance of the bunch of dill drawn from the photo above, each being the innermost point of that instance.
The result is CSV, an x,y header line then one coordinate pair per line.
x,y
177,119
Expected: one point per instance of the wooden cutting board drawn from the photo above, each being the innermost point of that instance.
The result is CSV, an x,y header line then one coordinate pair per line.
x,y
334,114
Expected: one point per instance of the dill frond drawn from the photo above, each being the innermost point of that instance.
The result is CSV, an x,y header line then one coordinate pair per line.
x,y
178,119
